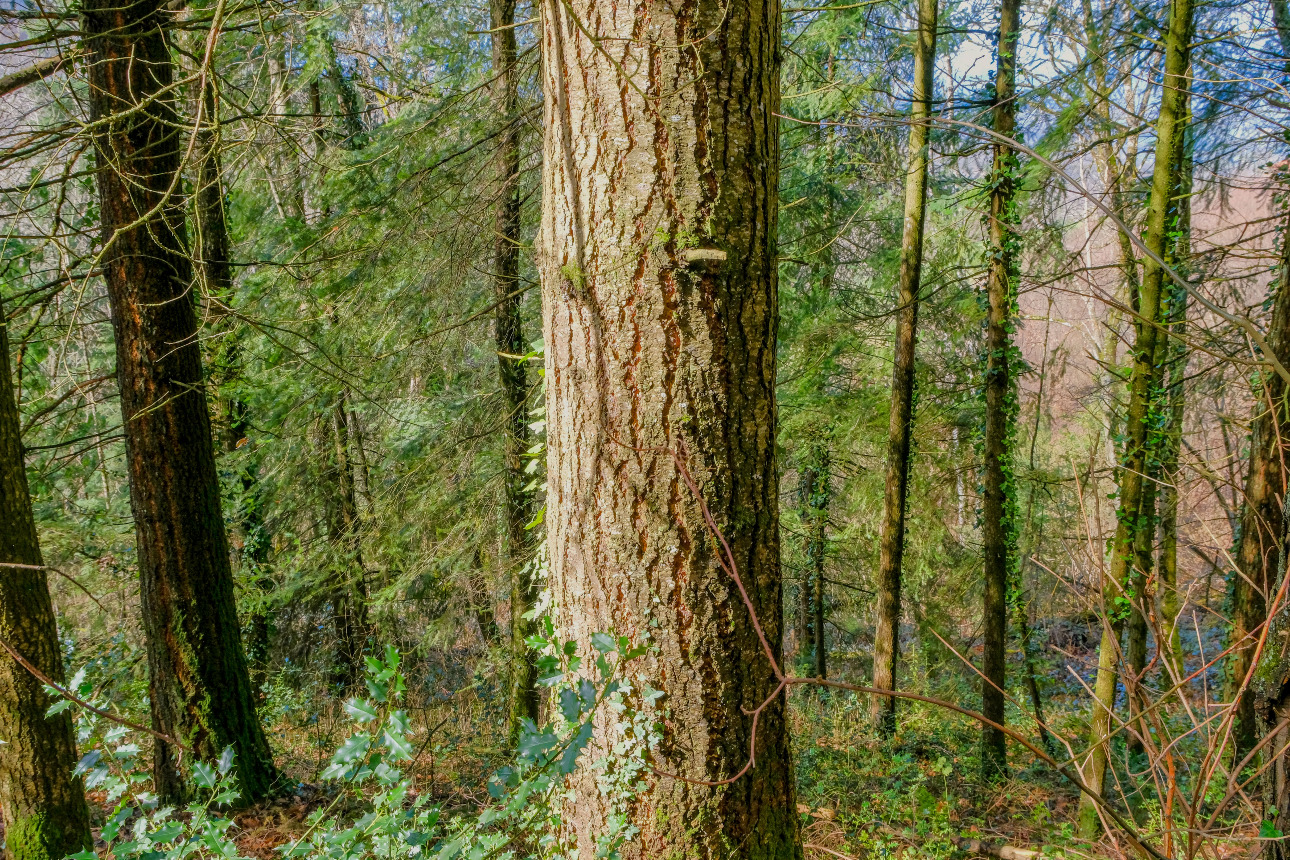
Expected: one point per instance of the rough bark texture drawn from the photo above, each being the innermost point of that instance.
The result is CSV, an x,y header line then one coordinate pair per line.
x,y
42,808
199,689
214,271
886,646
999,506
1175,394
1144,380
509,333
816,490
658,263
349,595
1259,548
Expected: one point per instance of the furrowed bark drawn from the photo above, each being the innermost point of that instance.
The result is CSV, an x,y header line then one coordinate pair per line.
x,y
659,276
999,504
199,688
816,491
214,271
43,808
349,595
509,334
886,647
1259,549
1143,381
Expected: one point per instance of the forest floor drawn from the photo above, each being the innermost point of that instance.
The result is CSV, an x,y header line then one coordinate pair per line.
x,y
915,796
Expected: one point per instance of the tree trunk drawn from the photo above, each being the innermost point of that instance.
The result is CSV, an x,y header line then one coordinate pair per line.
x,y
349,595
43,809
886,646
1144,381
1259,547
999,502
199,689
659,274
212,267
508,330
1175,356
816,490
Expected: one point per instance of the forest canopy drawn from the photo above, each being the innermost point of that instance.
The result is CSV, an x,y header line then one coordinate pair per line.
x,y
707,429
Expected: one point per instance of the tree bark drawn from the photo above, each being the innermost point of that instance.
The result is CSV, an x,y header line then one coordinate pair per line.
x,y
213,268
659,275
1144,380
1174,355
1262,512
509,333
999,503
349,594
816,492
199,689
43,808
886,647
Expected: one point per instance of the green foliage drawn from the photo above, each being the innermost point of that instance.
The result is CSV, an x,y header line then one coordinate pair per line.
x,y
523,819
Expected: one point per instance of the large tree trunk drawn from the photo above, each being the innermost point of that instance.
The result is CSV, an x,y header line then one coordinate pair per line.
x,y
1144,380
199,690
999,503
43,809
886,646
508,330
658,265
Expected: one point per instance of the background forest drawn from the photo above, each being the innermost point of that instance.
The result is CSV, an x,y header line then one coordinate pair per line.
x,y
272,278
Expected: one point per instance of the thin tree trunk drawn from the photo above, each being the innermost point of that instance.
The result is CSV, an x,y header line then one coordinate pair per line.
x,y
999,502
659,278
1143,382
213,269
886,647
1259,547
508,330
349,595
199,688
43,808
816,492
1176,355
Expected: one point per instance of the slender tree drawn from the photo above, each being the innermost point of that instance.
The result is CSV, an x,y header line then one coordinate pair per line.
x,y
659,278
1259,549
816,490
349,586
199,688
42,806
999,504
1144,380
886,646
508,331
212,264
